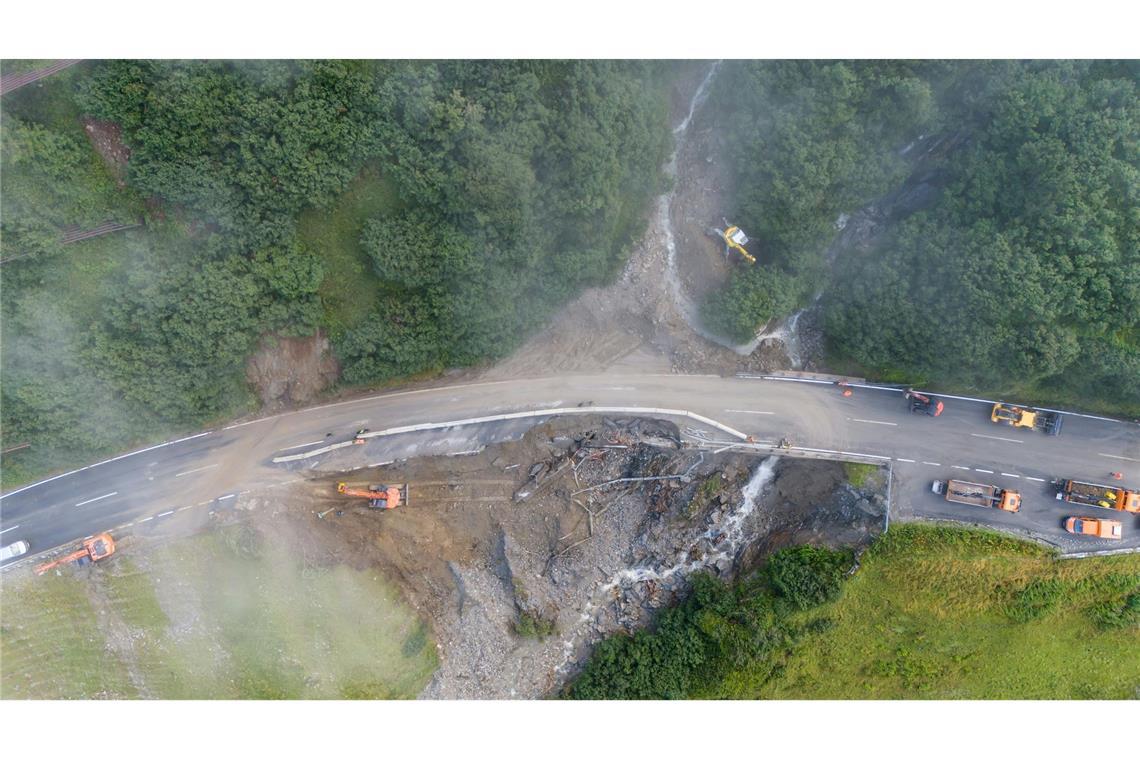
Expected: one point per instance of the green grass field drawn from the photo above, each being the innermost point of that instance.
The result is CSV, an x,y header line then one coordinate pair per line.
x,y
350,289
216,616
950,613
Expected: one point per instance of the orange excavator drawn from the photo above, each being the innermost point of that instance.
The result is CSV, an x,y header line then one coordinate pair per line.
x,y
379,497
94,549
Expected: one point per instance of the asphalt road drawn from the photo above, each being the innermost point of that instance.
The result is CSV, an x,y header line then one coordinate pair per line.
x,y
211,470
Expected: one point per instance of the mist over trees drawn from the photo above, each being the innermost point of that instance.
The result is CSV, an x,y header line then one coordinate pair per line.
x,y
1021,274
515,185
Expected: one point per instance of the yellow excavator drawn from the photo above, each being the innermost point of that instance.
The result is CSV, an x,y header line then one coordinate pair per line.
x,y
734,240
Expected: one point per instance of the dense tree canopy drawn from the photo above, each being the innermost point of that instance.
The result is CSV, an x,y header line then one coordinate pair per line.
x,y
1026,273
518,183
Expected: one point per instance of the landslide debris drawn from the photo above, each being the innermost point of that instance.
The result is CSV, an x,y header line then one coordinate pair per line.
x,y
524,555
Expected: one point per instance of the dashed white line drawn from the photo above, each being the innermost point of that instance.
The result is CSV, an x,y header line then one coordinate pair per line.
x,y
875,422
381,464
164,514
979,469
146,519
227,496
1114,456
746,411
203,503
1010,475
906,460
933,464
959,467
199,469
129,525
1039,480
8,529
183,509
996,438
97,498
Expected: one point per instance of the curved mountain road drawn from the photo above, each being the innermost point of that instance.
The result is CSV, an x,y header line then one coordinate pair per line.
x,y
209,469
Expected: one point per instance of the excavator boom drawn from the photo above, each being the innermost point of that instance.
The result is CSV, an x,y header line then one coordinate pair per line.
x,y
379,497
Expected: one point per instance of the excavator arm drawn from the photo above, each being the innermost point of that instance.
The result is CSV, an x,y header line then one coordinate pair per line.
x,y
379,497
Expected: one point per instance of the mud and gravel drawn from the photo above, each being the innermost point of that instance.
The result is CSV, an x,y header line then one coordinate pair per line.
x,y
107,139
519,538
288,371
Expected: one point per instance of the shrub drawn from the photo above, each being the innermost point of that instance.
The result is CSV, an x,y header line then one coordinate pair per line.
x,y
808,575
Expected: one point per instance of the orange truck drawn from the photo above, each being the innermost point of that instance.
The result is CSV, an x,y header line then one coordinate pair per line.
x,y
1097,495
977,494
1095,527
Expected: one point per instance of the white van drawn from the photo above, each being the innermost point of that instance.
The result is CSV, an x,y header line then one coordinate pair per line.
x,y
11,551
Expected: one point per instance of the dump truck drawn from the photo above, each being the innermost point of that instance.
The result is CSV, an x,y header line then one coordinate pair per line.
x,y
1096,527
1048,423
93,549
977,494
1097,495
379,496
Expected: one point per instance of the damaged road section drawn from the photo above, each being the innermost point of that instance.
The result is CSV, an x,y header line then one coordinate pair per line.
x,y
524,554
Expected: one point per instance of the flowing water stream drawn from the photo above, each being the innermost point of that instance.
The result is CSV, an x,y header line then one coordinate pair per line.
x,y
784,330
720,541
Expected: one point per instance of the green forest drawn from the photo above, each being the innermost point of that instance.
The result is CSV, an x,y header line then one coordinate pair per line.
x,y
424,215
931,612
1019,274
427,215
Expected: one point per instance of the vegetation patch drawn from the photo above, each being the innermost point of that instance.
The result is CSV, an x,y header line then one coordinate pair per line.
x,y
217,616
859,474
940,612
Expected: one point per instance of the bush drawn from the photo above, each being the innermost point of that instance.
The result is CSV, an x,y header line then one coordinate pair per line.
x,y
807,575
1035,600
1124,613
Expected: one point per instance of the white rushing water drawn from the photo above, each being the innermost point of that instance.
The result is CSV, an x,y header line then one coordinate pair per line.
x,y
784,330
728,538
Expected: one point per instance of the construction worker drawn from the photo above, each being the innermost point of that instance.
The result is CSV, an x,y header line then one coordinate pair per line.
x,y
1118,476
845,386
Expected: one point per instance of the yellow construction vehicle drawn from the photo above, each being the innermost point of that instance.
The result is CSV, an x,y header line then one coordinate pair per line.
x,y
734,240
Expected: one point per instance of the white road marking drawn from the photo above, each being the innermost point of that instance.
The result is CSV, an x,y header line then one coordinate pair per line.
x,y
933,464
129,525
8,529
183,509
996,438
302,445
746,411
959,467
97,498
105,461
201,503
988,472
906,460
1010,475
875,422
199,469
227,496
1114,456
1039,480
620,388
146,519
381,464
164,514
